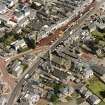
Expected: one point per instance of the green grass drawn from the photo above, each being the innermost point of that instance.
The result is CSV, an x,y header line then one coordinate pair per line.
x,y
23,49
8,39
68,98
101,43
80,100
97,33
102,103
96,86
25,66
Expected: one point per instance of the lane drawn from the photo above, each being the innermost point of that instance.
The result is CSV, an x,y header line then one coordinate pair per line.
x,y
36,50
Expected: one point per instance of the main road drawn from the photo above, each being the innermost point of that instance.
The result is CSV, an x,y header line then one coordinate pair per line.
x,y
33,67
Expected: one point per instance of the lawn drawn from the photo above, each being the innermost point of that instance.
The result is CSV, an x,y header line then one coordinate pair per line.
x,y
97,33
8,39
101,43
23,49
97,87
102,103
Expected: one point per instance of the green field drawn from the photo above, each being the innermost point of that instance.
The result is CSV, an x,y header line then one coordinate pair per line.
x,y
97,87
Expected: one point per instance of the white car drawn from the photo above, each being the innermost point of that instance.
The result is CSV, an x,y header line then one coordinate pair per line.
x,y
27,76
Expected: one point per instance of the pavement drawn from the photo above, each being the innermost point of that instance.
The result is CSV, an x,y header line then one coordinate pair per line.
x,y
8,79
42,102
36,50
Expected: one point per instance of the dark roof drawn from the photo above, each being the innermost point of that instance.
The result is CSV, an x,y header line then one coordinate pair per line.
x,y
59,74
98,69
92,99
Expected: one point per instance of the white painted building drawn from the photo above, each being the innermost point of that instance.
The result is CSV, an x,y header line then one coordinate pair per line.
x,y
3,8
87,73
93,100
17,71
19,44
33,98
10,3
3,100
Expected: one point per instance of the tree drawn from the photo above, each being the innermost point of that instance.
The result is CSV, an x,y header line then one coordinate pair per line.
x,y
31,43
54,98
102,93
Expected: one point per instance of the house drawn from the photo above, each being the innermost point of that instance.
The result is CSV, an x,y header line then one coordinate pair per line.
x,y
92,27
85,34
32,98
10,3
89,96
19,44
87,73
85,92
3,100
20,13
17,16
103,78
101,23
93,100
17,71
100,52
60,62
50,93
82,90
3,8
16,63
26,11
10,23
28,58
23,22
62,91
66,90
60,75
98,69
6,21
57,74
36,5
3,87
17,68
72,78
24,1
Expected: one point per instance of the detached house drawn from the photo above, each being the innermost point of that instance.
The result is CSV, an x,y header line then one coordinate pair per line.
x,y
20,13
10,3
87,73
18,44
89,96
3,8
93,100
60,62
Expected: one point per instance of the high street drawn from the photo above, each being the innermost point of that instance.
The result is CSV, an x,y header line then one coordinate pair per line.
x,y
15,93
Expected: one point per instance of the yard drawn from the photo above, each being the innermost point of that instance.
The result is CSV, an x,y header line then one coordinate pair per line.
x,y
97,87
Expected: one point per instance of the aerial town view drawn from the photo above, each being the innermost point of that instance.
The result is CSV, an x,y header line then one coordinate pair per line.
x,y
52,52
